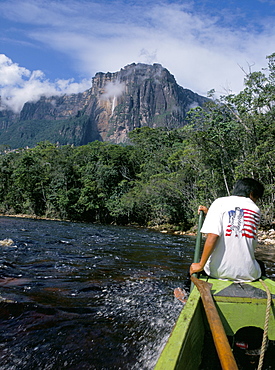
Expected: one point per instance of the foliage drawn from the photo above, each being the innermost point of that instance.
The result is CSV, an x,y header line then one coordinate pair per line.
x,y
161,176
29,133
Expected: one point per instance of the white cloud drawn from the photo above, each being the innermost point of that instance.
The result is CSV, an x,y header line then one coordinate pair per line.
x,y
195,48
19,85
11,73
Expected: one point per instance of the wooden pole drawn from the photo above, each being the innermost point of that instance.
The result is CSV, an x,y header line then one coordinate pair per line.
x,y
198,244
223,348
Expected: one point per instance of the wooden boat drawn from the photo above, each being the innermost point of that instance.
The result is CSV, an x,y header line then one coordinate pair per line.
x,y
239,318
240,306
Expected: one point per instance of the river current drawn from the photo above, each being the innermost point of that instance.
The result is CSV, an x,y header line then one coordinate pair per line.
x,y
84,296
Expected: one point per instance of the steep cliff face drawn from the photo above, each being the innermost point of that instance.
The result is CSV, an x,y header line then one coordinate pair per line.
x,y
140,95
137,95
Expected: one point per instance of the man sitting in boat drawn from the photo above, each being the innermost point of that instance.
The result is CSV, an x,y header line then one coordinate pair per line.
x,y
231,224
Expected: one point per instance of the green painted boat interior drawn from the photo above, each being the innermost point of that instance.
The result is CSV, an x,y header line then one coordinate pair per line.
x,y
239,305
244,304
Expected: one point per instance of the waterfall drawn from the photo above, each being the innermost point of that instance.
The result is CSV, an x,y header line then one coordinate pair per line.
x,y
114,104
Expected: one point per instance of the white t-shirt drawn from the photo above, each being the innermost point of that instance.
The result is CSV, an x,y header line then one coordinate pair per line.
x,y
235,219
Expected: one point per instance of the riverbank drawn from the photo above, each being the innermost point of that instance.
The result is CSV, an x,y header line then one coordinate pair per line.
x,y
265,237
34,217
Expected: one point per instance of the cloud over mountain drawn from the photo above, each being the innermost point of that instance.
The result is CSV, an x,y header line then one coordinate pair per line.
x,y
19,85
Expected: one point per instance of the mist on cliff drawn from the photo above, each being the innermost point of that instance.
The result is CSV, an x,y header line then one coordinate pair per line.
x,y
113,89
19,85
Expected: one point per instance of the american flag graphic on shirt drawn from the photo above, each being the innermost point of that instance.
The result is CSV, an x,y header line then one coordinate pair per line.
x,y
243,222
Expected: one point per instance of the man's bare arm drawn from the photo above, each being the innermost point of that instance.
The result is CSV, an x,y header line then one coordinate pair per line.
x,y
208,248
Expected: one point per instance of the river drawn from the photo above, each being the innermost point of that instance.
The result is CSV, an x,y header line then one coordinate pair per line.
x,y
85,296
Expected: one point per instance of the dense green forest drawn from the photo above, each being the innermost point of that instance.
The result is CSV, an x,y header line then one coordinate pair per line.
x,y
162,176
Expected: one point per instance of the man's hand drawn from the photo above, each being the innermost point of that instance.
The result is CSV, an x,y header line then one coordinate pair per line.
x,y
195,267
203,208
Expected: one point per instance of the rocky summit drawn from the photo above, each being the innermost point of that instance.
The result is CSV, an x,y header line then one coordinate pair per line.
x,y
138,95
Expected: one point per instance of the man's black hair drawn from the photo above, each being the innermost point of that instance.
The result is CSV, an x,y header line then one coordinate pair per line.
x,y
244,187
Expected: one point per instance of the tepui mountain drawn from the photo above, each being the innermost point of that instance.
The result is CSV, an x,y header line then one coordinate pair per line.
x,y
138,95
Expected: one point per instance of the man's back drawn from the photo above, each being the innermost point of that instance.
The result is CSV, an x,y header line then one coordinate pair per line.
x,y
235,219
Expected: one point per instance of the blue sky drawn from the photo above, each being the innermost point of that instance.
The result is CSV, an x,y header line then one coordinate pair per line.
x,y
49,47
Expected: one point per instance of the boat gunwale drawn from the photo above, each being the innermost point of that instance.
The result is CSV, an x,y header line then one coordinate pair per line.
x,y
171,355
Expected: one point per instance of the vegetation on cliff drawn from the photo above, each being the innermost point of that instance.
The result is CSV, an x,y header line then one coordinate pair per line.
x,y
162,176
